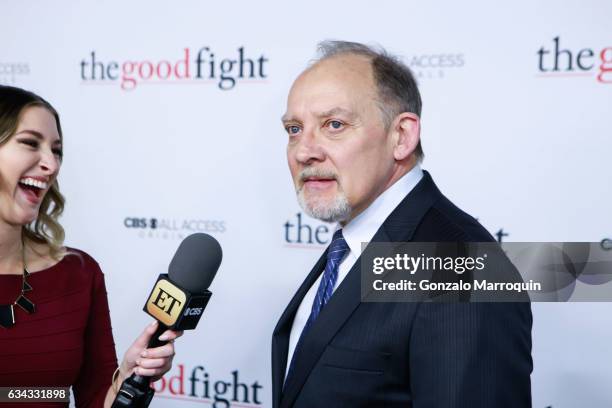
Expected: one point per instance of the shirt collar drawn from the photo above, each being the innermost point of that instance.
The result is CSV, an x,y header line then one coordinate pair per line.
x,y
363,227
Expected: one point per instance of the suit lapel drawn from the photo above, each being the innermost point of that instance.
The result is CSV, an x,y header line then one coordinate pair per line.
x,y
280,337
344,300
398,227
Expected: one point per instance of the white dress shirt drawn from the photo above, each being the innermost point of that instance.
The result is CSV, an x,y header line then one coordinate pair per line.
x,y
361,229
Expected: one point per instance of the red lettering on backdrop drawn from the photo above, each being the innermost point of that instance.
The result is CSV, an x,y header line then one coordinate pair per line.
x,y
175,383
159,385
185,64
168,69
128,69
140,71
606,66
172,387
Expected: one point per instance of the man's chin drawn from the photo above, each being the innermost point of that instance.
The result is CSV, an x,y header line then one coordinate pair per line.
x,y
336,211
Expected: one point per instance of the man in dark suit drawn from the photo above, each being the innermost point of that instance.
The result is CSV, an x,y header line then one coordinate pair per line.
x,y
354,153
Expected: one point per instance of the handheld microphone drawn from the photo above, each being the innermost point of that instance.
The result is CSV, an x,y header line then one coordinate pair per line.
x,y
176,302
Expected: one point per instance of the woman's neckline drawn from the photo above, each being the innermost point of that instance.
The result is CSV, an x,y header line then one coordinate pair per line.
x,y
33,273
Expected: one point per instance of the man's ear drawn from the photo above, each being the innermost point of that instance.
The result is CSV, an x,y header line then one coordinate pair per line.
x,y
406,130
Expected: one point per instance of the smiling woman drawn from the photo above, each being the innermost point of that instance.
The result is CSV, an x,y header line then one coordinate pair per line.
x,y
55,326
29,128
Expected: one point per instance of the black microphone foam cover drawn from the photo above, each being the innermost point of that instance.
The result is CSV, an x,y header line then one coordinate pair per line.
x,y
196,262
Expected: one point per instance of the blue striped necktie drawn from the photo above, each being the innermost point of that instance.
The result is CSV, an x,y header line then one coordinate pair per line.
x,y
335,253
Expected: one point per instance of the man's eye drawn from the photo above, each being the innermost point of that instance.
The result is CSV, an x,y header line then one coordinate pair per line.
x,y
335,124
292,129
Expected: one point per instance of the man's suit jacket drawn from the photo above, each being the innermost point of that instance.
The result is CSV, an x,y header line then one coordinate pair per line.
x,y
420,355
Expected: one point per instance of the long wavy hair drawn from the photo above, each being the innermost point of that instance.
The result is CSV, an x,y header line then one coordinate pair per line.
x,y
45,229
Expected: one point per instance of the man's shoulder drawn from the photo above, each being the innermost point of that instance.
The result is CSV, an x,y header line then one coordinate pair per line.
x,y
444,221
426,215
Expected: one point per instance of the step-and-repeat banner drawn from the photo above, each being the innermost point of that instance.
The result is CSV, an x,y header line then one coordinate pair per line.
x,y
171,115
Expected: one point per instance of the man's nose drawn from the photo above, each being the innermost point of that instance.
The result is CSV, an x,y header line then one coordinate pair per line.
x,y
309,149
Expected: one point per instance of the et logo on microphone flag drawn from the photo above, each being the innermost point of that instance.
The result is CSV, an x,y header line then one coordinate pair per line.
x,y
175,307
166,302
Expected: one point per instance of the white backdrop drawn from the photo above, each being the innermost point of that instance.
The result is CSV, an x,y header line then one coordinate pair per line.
x,y
510,140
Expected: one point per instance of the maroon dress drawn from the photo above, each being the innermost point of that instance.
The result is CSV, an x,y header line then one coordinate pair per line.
x,y
68,341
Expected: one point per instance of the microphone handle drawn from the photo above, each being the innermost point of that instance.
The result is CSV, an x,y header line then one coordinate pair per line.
x,y
136,391
154,341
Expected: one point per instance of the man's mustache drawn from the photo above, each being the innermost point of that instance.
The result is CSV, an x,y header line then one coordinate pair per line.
x,y
317,172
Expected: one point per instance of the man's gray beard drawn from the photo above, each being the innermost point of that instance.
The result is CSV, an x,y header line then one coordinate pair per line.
x,y
338,211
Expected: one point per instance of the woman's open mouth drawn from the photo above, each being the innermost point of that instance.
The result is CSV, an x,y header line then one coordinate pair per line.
x,y
32,189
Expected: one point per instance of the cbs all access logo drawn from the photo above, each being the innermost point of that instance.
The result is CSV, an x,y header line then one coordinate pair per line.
x,y
11,72
436,65
171,228
186,66
556,60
